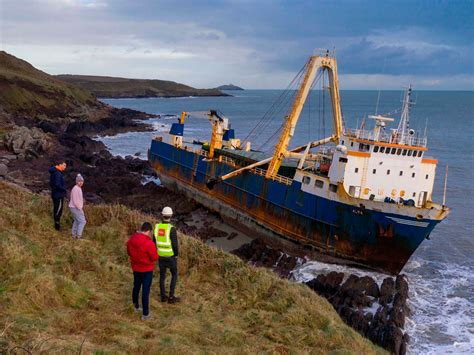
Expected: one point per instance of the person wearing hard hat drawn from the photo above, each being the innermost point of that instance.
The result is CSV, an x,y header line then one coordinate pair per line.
x,y
167,244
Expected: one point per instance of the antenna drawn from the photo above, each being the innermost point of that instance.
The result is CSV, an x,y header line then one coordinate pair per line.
x,y
426,127
445,184
378,96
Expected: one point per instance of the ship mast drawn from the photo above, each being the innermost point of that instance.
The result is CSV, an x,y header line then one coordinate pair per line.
x,y
314,63
404,124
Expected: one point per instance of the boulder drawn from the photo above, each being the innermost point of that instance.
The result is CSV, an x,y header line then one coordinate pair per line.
x,y
3,170
401,285
387,291
24,141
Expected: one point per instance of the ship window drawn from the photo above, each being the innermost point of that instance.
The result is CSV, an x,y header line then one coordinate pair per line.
x,y
306,180
319,183
376,149
404,152
401,172
343,160
356,170
352,144
394,150
382,149
399,151
342,142
412,174
332,188
388,172
387,151
420,153
426,177
374,171
409,153
414,194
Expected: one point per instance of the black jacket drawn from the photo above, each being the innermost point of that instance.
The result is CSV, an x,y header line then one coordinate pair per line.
x,y
56,182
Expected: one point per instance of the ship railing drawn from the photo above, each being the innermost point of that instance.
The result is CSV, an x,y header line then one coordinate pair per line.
x,y
279,178
385,137
258,171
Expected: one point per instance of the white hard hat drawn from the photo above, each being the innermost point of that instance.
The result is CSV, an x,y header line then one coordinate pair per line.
x,y
167,212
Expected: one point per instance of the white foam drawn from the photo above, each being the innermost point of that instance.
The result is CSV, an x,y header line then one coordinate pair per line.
x,y
441,301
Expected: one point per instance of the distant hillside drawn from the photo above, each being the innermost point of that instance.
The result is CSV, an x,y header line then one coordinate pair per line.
x,y
229,87
25,90
111,87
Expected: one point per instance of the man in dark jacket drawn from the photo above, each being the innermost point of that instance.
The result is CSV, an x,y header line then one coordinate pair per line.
x,y
167,244
143,256
58,191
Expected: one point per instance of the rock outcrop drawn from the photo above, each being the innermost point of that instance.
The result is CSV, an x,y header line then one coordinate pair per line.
x,y
368,309
260,254
25,142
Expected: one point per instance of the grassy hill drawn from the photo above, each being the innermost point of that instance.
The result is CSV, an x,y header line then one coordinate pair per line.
x,y
25,90
59,295
111,87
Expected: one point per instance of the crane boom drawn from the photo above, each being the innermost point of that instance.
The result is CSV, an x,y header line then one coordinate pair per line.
x,y
314,63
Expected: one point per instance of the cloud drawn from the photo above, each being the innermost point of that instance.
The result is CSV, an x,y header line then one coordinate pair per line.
x,y
254,44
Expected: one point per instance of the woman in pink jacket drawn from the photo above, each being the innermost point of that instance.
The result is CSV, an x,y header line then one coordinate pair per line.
x,y
76,204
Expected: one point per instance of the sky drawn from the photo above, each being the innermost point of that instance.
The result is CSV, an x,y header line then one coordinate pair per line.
x,y
250,43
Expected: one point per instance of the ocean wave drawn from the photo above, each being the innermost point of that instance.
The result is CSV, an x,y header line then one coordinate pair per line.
x,y
441,301
443,304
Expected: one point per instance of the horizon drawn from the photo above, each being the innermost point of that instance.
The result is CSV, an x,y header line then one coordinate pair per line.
x,y
380,46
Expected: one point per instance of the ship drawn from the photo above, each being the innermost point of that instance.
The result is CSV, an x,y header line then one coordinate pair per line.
x,y
360,196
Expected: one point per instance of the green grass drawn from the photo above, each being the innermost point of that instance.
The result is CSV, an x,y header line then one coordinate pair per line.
x,y
59,295
29,91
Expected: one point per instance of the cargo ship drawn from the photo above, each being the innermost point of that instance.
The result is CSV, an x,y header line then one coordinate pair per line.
x,y
361,196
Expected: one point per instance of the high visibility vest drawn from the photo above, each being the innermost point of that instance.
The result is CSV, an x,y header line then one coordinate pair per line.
x,y
163,240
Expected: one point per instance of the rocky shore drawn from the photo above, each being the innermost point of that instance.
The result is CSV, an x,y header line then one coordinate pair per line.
x,y
376,312
27,152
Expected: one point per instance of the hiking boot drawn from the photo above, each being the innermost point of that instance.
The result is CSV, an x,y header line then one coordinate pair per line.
x,y
164,298
57,227
174,300
138,309
146,317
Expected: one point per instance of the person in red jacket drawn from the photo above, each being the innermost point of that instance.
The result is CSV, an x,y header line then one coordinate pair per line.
x,y
143,256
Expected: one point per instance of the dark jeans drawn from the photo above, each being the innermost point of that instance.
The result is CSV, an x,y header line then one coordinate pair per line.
x,y
142,279
57,211
172,264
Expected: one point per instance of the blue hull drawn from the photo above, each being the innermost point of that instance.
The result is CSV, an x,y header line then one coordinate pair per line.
x,y
360,235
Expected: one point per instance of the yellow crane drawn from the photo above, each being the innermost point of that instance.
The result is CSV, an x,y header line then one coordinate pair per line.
x,y
315,63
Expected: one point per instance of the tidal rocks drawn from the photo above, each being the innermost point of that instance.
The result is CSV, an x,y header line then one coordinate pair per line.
x,y
356,298
258,253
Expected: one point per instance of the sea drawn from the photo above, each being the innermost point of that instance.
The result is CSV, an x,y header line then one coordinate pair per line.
x,y
441,272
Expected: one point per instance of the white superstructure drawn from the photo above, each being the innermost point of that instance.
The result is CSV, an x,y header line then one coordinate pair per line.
x,y
385,166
